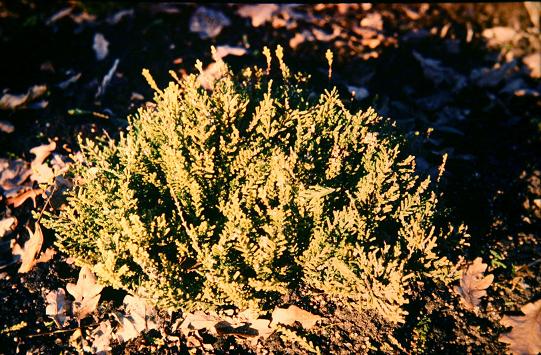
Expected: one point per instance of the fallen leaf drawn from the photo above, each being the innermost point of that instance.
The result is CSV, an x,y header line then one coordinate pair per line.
x,y
259,14
209,75
6,127
13,173
42,174
534,10
59,15
139,317
525,337
72,79
473,284
57,306
107,79
197,321
6,225
12,102
27,254
143,315
19,199
47,255
438,73
324,36
163,8
82,17
263,327
42,152
126,330
74,339
300,37
533,62
373,20
119,16
208,23
288,316
499,35
485,77
86,293
102,336
224,51
100,46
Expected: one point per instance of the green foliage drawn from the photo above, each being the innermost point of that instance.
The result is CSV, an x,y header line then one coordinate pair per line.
x,y
236,196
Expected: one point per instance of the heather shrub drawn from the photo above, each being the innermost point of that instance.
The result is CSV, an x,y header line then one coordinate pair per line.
x,y
235,196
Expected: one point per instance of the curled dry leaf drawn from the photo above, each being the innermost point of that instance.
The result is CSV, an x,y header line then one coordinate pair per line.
x,y
57,306
208,23
473,284
525,337
27,254
6,225
86,293
288,316
259,14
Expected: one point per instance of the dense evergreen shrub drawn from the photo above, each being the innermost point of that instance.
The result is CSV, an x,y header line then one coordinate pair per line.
x,y
238,195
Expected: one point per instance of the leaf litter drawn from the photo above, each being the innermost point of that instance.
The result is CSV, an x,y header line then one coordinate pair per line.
x,y
473,284
525,335
207,22
27,254
86,293
57,306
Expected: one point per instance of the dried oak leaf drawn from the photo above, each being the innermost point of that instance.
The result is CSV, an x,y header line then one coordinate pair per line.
x,y
288,316
197,321
27,254
139,317
57,306
12,174
259,13
525,337
473,284
208,23
12,102
86,293
42,173
6,225
102,336
20,198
